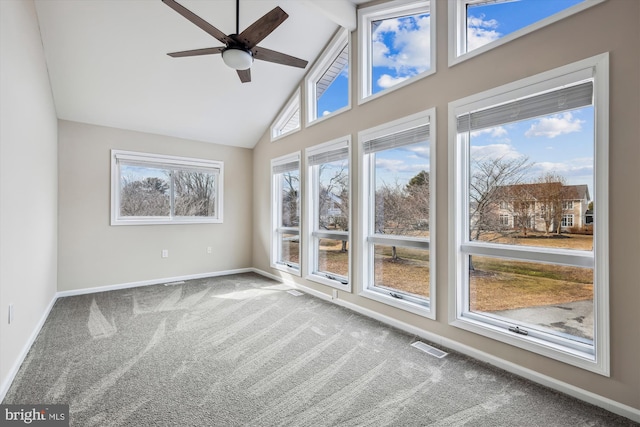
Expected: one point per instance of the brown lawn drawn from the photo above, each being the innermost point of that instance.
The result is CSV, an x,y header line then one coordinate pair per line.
x,y
496,284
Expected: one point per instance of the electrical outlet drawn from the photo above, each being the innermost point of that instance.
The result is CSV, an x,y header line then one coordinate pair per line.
x,y
165,253
10,313
208,249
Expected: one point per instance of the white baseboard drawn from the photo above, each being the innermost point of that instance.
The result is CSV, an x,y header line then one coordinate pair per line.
x,y
85,291
552,383
4,387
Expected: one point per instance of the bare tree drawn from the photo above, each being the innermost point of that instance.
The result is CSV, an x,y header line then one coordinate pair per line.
x,y
146,197
489,176
417,200
195,193
549,192
290,199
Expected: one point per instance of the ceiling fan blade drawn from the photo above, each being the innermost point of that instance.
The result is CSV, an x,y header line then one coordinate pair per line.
x,y
197,52
204,25
245,75
260,29
279,58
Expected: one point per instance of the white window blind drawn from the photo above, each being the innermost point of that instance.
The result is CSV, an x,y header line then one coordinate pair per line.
x,y
399,139
557,101
286,167
328,156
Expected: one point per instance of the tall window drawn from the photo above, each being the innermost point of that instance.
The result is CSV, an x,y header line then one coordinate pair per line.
x,y
535,285
156,189
288,121
329,202
285,199
479,25
328,82
398,174
397,45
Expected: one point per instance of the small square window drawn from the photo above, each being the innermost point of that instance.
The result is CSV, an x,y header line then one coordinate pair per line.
x,y
397,45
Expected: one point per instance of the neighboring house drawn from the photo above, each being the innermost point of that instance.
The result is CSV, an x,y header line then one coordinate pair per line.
x,y
542,207
331,208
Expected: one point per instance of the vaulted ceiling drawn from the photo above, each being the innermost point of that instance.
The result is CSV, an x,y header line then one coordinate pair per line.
x,y
108,64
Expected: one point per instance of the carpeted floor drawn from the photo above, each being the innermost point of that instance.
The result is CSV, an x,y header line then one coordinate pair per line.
x,y
241,351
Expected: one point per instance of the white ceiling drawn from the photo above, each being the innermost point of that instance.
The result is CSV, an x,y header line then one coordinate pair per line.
x,y
108,64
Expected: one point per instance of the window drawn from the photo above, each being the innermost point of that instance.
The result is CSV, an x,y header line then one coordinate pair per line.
x,y
156,189
397,45
329,207
477,26
285,216
398,182
327,84
528,286
288,121
504,220
567,204
567,220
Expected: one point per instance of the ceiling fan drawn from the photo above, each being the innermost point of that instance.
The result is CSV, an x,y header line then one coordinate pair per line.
x,y
241,48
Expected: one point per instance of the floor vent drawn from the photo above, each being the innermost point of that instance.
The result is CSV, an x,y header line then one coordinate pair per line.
x,y
294,292
174,283
428,349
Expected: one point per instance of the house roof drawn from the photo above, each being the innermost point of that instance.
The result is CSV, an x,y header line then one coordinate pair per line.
x,y
108,64
570,192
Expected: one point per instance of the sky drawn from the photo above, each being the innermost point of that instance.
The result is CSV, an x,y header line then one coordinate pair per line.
x,y
401,49
562,144
486,23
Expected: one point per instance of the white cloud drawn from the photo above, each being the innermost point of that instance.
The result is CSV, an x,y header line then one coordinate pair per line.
x,y
481,32
495,151
397,166
495,132
386,80
326,113
420,152
403,44
556,125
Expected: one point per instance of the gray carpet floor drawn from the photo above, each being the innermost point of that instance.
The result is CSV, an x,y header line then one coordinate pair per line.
x,y
241,351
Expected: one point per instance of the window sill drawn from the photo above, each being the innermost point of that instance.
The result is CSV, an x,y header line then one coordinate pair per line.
x,y
287,269
411,307
570,356
318,278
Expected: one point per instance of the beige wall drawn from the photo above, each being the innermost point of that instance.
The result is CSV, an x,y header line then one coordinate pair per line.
x,y
28,183
93,253
613,26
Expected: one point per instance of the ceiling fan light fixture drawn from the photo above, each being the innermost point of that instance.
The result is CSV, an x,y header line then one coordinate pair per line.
x,y
238,59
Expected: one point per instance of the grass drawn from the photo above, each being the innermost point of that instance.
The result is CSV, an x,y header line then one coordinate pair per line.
x,y
495,284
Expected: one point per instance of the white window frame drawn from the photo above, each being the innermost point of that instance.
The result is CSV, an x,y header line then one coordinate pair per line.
x,y
567,220
422,307
458,28
276,216
288,112
386,11
314,234
567,204
170,163
593,358
340,40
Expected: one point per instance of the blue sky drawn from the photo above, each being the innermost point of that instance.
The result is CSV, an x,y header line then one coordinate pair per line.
x,y
559,143
490,22
401,49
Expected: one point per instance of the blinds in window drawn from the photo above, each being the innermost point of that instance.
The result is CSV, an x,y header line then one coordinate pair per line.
x,y
557,101
398,139
329,156
286,167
